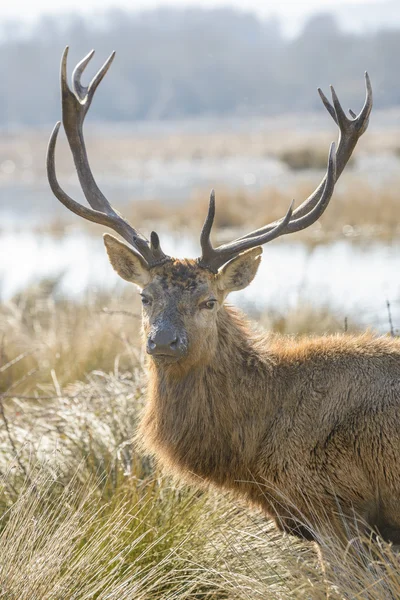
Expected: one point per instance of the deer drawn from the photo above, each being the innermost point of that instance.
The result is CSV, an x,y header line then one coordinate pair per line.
x,y
307,430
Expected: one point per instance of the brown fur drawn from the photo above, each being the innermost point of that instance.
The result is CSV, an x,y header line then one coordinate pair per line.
x,y
308,430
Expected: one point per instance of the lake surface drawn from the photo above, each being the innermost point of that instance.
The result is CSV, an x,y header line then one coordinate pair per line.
x,y
353,280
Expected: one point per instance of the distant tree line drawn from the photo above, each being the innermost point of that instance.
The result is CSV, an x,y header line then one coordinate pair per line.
x,y
174,63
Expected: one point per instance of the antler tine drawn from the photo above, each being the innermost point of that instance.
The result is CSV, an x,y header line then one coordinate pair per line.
x,y
366,109
205,241
214,258
87,92
79,90
75,105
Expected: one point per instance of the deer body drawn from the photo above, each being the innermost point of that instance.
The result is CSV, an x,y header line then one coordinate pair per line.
x,y
308,430
302,429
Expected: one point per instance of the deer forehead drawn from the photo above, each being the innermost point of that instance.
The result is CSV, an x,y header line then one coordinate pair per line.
x,y
181,280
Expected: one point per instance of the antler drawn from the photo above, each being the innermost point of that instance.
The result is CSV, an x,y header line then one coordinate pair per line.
x,y
350,130
75,105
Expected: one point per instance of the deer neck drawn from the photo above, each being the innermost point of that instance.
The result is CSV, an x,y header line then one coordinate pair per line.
x,y
207,421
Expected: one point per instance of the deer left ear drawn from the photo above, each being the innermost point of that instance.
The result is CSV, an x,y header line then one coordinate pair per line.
x,y
239,272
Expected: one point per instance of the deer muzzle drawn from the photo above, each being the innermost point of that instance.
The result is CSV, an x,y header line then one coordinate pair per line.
x,y
167,342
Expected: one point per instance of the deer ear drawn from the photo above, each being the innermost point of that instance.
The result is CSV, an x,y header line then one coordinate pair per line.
x,y
126,262
239,272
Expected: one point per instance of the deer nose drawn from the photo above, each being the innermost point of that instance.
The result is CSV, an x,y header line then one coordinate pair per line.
x,y
165,343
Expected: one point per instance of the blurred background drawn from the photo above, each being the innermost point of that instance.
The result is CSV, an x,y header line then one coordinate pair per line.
x,y
208,94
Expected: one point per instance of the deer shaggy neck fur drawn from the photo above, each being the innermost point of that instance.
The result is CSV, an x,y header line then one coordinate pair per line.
x,y
307,429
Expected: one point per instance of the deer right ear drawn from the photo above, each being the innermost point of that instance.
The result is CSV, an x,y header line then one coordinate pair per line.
x,y
129,265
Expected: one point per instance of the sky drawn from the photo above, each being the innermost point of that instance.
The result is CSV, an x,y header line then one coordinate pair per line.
x,y
352,15
292,9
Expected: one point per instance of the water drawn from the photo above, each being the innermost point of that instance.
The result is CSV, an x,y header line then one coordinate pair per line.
x,y
352,280
31,203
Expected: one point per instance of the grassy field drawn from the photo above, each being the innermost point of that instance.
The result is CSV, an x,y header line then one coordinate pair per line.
x,y
84,515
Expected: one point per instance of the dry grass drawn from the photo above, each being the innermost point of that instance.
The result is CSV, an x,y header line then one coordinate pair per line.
x,y
299,159
56,340
305,319
83,515
358,211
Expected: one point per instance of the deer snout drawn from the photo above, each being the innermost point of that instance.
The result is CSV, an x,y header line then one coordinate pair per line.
x,y
166,342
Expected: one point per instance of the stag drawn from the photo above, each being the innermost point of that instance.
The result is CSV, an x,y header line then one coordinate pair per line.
x,y
308,430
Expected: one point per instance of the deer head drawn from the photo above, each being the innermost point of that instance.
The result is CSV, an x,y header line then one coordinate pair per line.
x,y
181,298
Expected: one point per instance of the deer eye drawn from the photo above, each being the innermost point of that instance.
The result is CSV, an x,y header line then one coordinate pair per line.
x,y
146,301
208,304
